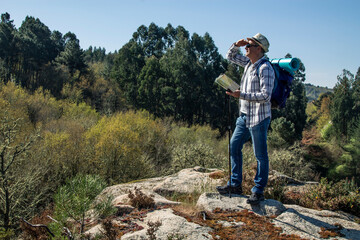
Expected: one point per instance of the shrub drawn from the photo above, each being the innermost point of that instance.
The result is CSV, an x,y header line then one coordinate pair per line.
x,y
292,163
140,200
343,195
186,156
122,146
197,146
42,107
62,153
327,131
198,134
6,234
75,198
282,134
81,113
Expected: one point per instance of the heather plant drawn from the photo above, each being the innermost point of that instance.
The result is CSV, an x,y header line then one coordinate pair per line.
x,y
153,227
275,190
343,195
140,200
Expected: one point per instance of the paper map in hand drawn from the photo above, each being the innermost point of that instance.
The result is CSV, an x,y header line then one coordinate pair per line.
x,y
227,83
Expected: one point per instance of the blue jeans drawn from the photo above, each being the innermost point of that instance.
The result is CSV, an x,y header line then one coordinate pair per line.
x,y
240,136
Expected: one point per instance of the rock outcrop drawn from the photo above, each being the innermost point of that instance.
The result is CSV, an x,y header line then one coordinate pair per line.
x,y
292,219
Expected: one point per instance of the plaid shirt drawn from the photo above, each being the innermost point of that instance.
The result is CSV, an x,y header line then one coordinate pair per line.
x,y
255,88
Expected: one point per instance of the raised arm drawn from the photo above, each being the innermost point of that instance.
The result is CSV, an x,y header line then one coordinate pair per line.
x,y
234,56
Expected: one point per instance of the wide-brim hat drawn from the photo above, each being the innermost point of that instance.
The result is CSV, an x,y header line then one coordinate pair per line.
x,y
261,40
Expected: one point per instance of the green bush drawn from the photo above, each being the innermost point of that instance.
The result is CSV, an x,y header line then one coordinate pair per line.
x,y
292,163
74,200
121,146
327,131
343,195
186,156
282,134
197,146
6,234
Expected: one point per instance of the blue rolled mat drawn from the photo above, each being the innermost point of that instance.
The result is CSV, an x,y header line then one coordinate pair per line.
x,y
288,64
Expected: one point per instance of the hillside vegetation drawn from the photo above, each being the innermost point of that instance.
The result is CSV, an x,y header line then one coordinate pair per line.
x,y
149,109
314,92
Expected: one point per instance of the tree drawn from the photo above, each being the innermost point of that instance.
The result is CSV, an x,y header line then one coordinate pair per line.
x,y
342,114
152,40
126,69
211,98
13,184
282,134
182,71
35,47
72,56
76,197
150,87
8,48
95,54
356,96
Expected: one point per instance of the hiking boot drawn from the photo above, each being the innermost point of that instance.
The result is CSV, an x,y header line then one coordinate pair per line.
x,y
227,189
255,198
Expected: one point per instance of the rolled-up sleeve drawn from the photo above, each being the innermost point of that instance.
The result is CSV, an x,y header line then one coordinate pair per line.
x,y
234,56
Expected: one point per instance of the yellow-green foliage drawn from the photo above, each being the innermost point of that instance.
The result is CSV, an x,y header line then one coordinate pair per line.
x,y
72,93
80,113
20,180
42,107
324,117
6,234
13,108
118,144
14,95
311,112
64,154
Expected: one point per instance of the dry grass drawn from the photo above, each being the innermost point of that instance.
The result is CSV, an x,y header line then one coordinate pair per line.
x,y
217,174
253,226
333,232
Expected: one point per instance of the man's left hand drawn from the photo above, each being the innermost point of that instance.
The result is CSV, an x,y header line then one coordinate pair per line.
x,y
235,94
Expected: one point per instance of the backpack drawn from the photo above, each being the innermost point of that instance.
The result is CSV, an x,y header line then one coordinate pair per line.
x,y
284,69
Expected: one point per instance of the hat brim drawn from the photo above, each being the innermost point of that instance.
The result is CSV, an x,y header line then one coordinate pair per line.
x,y
266,50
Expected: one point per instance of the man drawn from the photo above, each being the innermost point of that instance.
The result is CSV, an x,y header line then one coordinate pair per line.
x,y
255,113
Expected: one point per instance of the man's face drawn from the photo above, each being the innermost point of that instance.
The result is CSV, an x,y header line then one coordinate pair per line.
x,y
252,49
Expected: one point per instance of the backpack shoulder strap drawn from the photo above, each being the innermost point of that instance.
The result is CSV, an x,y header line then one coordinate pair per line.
x,y
264,60
275,72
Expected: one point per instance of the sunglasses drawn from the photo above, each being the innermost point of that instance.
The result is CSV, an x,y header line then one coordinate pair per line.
x,y
249,45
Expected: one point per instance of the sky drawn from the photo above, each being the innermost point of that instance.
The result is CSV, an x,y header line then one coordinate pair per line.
x,y
324,34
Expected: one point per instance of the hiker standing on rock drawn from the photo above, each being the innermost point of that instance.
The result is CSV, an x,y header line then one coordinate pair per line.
x,y
255,114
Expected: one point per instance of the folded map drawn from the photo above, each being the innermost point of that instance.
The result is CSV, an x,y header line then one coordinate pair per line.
x,y
227,83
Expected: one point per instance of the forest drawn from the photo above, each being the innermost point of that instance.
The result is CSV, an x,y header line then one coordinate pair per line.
x,y
153,105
